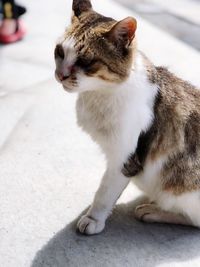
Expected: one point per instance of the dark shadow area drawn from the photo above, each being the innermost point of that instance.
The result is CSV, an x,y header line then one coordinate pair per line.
x,y
124,242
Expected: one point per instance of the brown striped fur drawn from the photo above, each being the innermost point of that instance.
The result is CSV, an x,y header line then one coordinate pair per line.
x,y
174,133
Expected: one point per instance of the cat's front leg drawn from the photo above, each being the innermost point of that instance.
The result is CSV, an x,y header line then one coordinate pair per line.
x,y
111,187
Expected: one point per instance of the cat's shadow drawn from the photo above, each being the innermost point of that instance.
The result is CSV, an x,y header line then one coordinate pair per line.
x,y
124,242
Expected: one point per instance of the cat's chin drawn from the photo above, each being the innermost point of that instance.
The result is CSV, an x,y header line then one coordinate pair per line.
x,y
69,89
74,89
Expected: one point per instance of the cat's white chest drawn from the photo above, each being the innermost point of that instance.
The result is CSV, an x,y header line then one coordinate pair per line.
x,y
97,117
115,118
115,126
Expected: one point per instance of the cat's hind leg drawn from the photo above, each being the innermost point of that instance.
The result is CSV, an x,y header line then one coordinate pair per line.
x,y
151,213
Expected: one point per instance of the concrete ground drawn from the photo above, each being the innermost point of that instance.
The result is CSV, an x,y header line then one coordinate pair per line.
x,y
50,169
177,17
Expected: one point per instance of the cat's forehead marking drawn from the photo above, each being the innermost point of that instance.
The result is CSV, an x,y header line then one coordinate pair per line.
x,y
68,43
69,49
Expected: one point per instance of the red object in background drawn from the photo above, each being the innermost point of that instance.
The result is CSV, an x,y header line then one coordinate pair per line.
x,y
16,36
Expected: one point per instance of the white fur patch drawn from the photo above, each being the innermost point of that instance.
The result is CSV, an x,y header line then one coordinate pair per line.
x,y
69,50
124,110
70,56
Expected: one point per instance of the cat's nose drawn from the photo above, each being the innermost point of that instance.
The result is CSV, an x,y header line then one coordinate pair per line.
x,y
61,76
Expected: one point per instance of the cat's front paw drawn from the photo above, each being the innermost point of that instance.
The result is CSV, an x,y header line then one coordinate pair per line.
x,y
90,226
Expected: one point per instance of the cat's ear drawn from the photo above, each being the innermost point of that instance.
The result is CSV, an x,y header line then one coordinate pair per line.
x,y
80,6
123,32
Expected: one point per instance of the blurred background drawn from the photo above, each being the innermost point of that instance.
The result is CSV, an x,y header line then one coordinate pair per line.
x,y
50,169
180,18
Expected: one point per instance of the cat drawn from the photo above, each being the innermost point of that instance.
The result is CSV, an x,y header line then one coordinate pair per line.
x,y
145,119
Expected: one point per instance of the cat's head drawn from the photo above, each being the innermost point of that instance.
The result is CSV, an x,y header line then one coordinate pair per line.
x,y
95,52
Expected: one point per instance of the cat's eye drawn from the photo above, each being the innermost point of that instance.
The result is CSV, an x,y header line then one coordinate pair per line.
x,y
59,52
84,63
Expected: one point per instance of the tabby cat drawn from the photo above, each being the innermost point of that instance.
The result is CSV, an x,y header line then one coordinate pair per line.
x,y
145,119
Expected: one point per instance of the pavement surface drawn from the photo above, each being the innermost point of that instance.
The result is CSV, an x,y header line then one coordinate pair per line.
x,y
50,169
180,18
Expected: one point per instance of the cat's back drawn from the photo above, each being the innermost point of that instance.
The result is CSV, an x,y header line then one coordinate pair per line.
x,y
177,132
177,112
176,90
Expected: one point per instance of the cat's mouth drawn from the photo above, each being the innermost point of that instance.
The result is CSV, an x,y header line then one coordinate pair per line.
x,y
67,83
